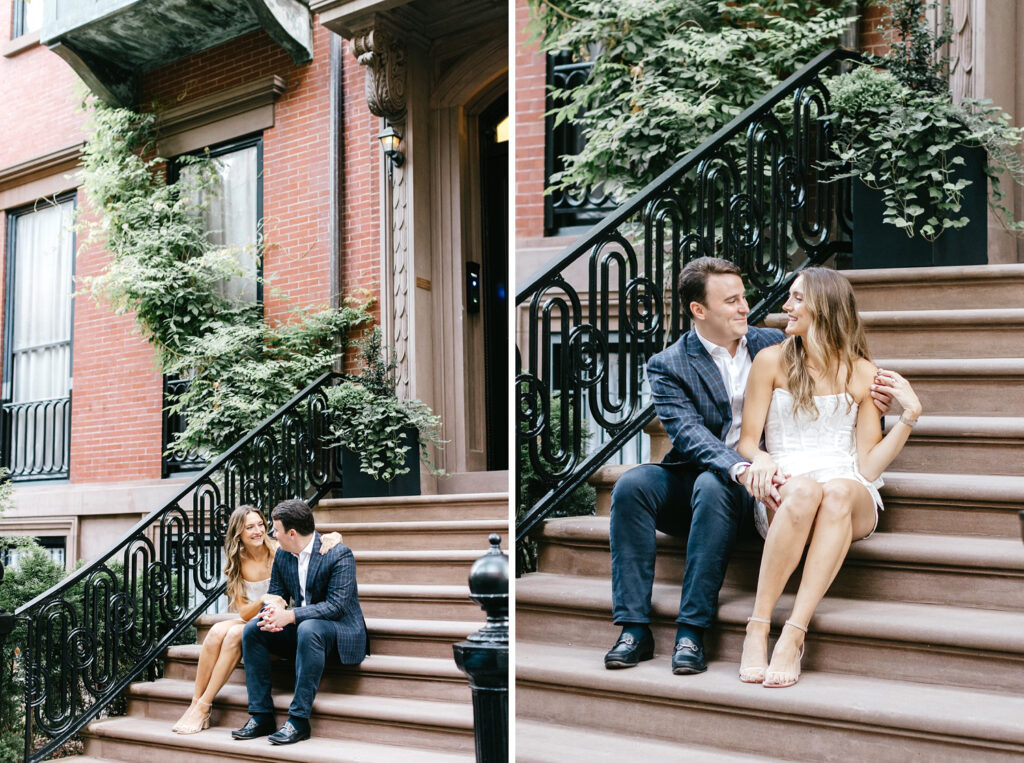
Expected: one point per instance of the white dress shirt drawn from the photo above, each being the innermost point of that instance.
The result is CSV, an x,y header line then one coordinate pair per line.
x,y
304,556
735,370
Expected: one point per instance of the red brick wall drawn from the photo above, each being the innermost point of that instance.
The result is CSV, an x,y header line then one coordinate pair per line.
x,y
869,38
529,116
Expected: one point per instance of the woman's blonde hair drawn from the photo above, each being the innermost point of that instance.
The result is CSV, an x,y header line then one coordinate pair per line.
x,y
835,339
233,549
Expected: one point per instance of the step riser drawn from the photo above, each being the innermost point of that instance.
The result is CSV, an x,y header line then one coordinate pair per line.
x,y
966,295
412,513
336,681
441,540
946,342
341,728
974,396
858,578
961,455
411,645
742,730
879,658
414,572
421,609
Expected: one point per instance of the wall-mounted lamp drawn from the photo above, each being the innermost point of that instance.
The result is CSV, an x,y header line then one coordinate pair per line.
x,y
389,140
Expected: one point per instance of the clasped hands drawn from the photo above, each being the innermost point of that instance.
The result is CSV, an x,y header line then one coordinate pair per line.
x,y
274,615
762,479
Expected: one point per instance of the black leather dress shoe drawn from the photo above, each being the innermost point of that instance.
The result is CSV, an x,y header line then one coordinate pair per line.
x,y
289,734
254,729
628,652
688,657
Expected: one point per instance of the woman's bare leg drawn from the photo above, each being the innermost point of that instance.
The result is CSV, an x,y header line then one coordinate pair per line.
x,y
787,536
207,659
847,511
230,651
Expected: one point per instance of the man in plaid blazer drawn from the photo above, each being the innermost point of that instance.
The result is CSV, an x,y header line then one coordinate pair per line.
x,y
324,619
697,385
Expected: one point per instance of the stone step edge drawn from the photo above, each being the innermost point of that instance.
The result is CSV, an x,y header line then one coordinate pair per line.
x,y
952,274
990,630
377,626
416,526
939,711
953,367
536,740
441,555
457,716
143,731
911,319
968,489
414,500
945,552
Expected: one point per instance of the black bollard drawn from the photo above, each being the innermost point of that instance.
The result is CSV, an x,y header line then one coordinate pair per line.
x,y
483,656
1022,526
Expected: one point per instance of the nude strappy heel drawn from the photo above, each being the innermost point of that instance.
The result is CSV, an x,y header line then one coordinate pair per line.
x,y
754,675
786,679
195,719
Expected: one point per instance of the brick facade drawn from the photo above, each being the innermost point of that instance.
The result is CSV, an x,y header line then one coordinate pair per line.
x,y
529,115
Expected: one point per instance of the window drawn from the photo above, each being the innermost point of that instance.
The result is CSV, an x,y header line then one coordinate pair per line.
x,y
28,17
233,215
54,547
36,408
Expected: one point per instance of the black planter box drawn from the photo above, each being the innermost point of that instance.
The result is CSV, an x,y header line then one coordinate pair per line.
x,y
880,245
357,484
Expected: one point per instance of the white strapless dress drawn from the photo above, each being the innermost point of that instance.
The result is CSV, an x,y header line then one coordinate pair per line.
x,y
822,448
255,590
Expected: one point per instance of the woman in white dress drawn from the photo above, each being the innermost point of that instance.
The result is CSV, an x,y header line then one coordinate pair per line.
x,y
249,552
811,398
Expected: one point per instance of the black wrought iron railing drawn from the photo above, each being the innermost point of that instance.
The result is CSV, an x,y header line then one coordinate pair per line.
x,y
563,210
36,438
87,638
174,423
753,193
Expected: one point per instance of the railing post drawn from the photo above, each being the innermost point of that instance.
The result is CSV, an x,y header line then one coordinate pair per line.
x,y
6,626
483,656
1022,526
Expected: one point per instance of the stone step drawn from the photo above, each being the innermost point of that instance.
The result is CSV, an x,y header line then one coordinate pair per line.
x,y
420,567
825,717
964,386
538,742
989,333
408,638
379,675
419,535
932,503
963,444
913,567
141,740
414,508
938,288
925,643
398,721
415,602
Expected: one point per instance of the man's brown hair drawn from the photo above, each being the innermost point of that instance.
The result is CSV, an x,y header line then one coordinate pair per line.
x,y
693,281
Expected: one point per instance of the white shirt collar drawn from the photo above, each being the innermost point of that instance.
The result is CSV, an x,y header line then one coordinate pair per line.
x,y
308,550
711,347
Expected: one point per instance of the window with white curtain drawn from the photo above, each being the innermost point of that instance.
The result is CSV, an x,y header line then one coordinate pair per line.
x,y
28,17
232,210
37,374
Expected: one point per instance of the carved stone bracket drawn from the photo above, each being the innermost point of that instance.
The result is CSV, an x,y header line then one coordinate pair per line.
x,y
383,55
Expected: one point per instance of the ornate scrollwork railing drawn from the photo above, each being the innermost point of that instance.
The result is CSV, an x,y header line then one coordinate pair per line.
x,y
87,638
753,193
36,438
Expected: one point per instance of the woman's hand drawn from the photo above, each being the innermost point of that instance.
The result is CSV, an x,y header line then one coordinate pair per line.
x,y
759,478
273,600
329,541
900,390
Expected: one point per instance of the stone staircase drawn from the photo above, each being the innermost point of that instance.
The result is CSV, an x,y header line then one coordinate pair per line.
x,y
917,651
406,702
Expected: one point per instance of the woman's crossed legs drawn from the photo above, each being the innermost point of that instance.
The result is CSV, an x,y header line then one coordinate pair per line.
x,y
825,518
221,651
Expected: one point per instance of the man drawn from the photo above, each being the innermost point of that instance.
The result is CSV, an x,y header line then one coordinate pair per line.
x,y
696,492
325,619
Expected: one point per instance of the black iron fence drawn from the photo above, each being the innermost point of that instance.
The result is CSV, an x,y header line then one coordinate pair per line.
x,y
753,193
36,438
106,624
564,210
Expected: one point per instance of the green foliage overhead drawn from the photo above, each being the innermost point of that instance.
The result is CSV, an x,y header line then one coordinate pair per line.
x,y
668,73
166,273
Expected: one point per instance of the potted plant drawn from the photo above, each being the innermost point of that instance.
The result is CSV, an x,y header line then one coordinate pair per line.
x,y
920,162
382,436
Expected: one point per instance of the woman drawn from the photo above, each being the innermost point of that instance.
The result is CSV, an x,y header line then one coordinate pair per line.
x,y
250,556
811,396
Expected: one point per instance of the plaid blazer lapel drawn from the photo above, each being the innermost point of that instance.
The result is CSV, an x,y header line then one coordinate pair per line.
x,y
706,369
314,565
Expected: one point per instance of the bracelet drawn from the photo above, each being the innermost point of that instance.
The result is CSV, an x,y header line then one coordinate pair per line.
x,y
909,422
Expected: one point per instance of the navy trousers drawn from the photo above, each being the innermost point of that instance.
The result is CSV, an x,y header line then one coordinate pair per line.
x,y
703,507
310,643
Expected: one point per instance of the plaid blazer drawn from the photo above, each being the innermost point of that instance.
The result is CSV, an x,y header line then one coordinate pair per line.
x,y
331,594
691,400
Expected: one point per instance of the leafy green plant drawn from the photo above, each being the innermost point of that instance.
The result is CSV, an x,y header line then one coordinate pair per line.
x,y
668,73
167,274
898,130
372,421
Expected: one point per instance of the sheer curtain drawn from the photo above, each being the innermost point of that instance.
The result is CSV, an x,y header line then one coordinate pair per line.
x,y
41,338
